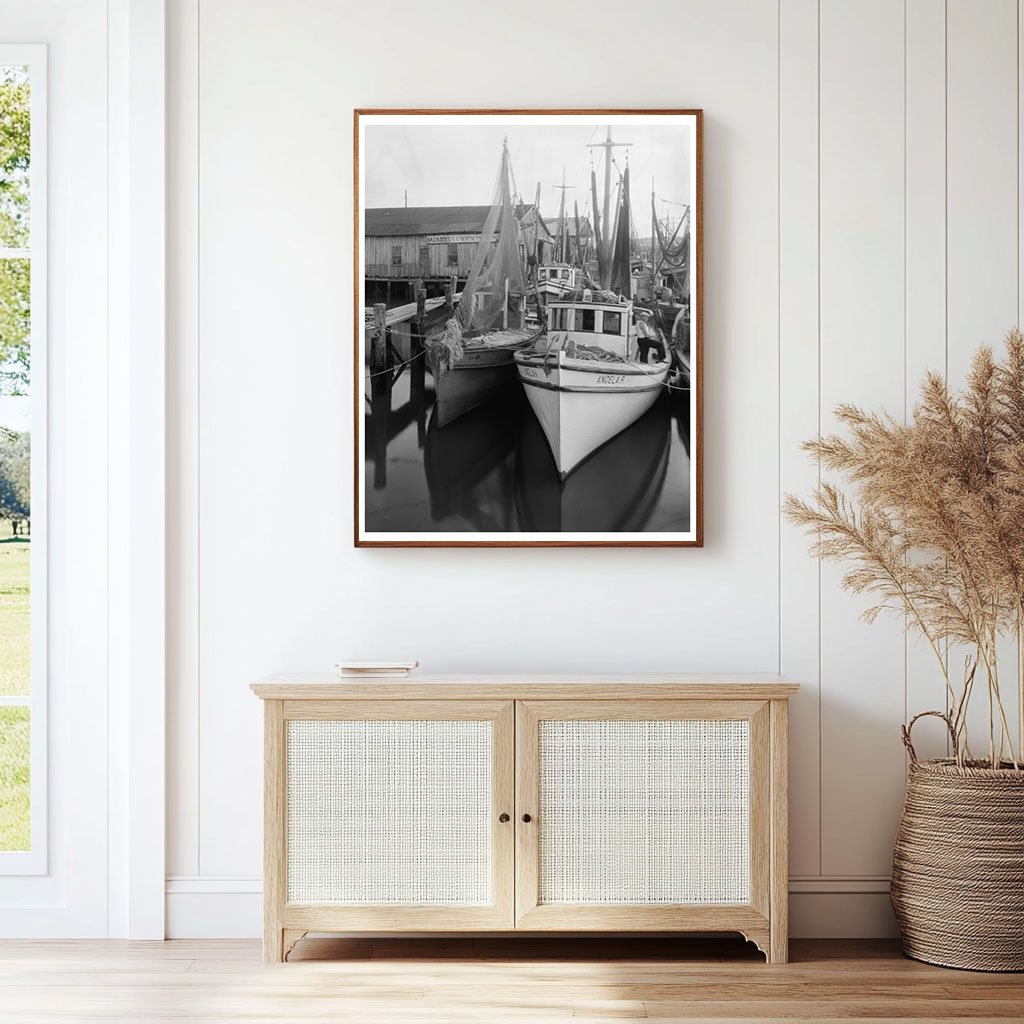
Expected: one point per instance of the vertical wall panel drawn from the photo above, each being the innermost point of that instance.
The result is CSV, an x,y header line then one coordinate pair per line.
x,y
183,441
925,281
983,217
862,361
798,409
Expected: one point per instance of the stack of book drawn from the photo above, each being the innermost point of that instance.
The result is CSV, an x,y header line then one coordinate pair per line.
x,y
376,669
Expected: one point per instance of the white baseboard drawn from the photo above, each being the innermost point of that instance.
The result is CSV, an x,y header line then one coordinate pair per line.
x,y
217,907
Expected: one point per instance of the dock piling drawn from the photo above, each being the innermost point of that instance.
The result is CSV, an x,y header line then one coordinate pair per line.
x,y
380,381
418,367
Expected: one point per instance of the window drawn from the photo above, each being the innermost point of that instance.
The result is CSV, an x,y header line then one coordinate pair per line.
x,y
453,255
22,473
589,316
560,319
424,255
396,255
611,323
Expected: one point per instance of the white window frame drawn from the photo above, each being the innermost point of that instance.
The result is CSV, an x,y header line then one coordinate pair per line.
x,y
35,860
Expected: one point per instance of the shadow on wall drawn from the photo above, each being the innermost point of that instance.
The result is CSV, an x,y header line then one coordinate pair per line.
x,y
863,779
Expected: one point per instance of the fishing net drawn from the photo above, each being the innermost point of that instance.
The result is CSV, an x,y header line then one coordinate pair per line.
x,y
598,229
675,252
596,295
444,349
620,280
496,275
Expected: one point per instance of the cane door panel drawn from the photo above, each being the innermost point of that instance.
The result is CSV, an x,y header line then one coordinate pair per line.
x,y
393,814
642,814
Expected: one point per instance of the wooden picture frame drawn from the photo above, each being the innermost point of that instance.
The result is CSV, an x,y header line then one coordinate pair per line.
x,y
475,482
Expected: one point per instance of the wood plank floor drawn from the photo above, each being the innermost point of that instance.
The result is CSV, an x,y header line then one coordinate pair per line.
x,y
488,980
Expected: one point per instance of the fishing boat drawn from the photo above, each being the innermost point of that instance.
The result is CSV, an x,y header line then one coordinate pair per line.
x,y
588,380
616,490
560,276
471,357
601,366
482,370
555,280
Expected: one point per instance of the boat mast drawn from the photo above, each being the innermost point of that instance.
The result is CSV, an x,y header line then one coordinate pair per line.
x,y
536,227
607,174
608,146
561,218
654,237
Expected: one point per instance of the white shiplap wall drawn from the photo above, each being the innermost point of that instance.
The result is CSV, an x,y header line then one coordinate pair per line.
x,y
862,223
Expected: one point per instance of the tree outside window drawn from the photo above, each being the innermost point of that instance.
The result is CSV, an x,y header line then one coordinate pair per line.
x,y
15,457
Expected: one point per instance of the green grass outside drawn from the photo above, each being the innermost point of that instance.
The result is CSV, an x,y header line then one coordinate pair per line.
x,y
14,614
14,779
14,681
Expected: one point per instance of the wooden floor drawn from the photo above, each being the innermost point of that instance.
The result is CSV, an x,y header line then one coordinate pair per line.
x,y
488,980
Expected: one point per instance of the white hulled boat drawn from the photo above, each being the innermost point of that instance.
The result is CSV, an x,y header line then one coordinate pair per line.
x,y
600,368
589,380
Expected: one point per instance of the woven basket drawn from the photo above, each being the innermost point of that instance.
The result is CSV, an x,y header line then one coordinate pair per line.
x,y
958,864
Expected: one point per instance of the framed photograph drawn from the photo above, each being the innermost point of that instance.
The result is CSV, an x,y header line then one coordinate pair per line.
x,y
528,328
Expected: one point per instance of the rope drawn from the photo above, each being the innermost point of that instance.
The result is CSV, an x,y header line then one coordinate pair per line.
x,y
396,366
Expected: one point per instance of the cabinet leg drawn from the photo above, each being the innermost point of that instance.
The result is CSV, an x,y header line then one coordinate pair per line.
x,y
289,938
760,937
279,942
778,952
273,944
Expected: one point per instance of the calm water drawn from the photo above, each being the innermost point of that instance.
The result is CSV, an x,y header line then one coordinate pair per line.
x,y
491,469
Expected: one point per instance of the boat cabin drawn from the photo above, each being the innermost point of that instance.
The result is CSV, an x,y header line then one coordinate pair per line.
x,y
563,274
557,279
589,322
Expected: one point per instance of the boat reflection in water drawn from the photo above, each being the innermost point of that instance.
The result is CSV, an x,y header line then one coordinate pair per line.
x,y
491,470
614,490
470,464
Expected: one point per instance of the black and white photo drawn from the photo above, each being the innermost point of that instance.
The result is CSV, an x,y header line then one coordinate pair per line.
x,y
528,345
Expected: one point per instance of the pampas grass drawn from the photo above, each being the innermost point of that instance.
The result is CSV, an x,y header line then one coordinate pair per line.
x,y
933,527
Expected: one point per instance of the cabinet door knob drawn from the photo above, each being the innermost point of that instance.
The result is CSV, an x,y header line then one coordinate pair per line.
x,y
527,818
503,818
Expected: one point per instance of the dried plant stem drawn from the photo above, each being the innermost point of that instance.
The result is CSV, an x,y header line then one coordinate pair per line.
x,y
960,719
995,701
923,630
991,727
993,685
1020,680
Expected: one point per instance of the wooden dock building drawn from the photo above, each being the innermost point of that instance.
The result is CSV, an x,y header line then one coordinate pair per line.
x,y
432,244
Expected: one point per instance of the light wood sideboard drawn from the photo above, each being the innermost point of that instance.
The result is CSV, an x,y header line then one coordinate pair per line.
x,y
516,803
